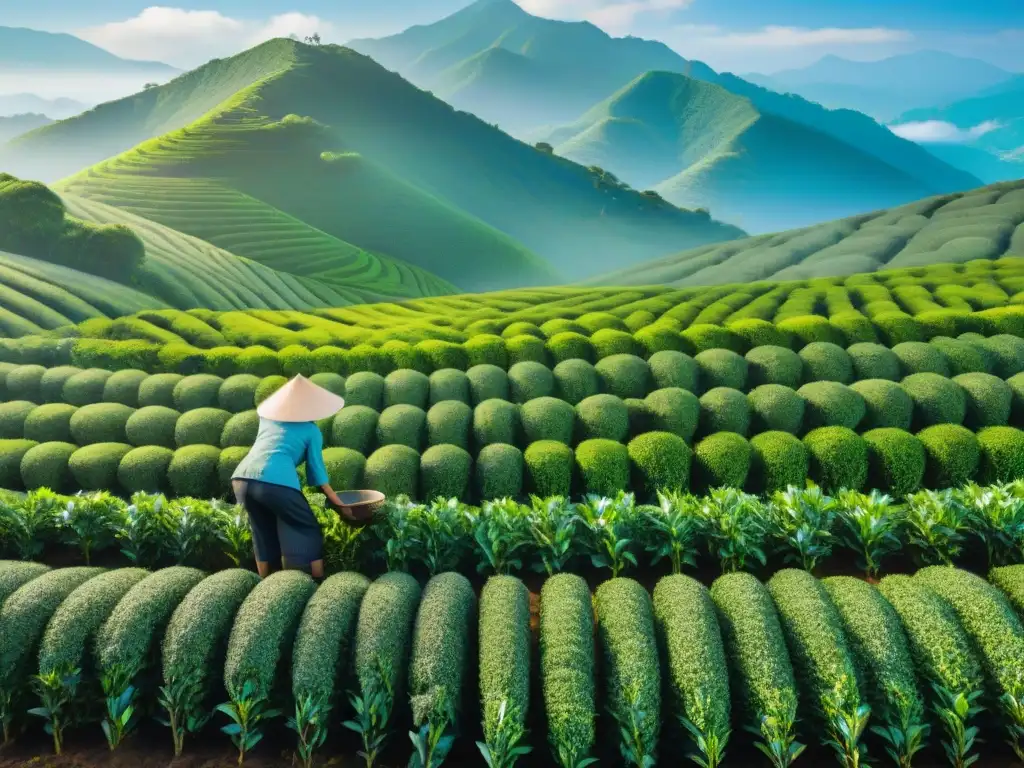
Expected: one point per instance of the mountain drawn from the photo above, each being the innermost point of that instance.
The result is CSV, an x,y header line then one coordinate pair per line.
x,y
990,167
527,73
25,103
15,125
985,223
887,87
29,49
699,145
324,149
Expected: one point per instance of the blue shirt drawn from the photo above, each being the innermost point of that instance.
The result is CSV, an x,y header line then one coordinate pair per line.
x,y
279,449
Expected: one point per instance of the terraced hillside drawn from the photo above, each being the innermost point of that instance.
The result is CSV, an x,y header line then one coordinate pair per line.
x,y
333,142
699,145
986,223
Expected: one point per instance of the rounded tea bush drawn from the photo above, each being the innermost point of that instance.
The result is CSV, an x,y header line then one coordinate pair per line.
x,y
549,468
659,338
831,404
123,387
961,356
487,382
526,348
240,430
575,381
12,418
198,391
200,426
937,400
706,336
449,384
450,423
659,461
393,470
602,466
46,466
496,421
724,410
268,386
548,418
873,361
332,382
988,400
562,325
100,423
152,425
758,333
721,460
639,416
608,342
406,387
228,462
444,354
145,469
402,425
94,467
826,362
674,369
898,328
807,329
355,427
487,349
778,460
774,407
838,458
570,346
774,365
519,328
920,357
528,381
886,404
952,455
193,471
345,468
896,461
238,393
86,387
365,388
158,389
624,376
51,385
499,472
444,472
1016,385
673,410
23,383
592,322
722,368
1006,354
602,417
11,454
1002,455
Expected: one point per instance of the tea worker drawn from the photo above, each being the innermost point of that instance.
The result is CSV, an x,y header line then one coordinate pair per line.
x,y
285,532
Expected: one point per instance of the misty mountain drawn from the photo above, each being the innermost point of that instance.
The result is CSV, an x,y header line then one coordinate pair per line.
x,y
27,103
15,125
31,49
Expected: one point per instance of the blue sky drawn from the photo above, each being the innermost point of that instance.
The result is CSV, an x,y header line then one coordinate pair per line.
x,y
737,35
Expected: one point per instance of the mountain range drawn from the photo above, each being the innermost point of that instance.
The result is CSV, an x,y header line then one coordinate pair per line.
x,y
30,49
29,103
15,125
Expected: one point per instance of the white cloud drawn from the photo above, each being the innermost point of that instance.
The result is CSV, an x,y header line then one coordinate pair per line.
x,y
614,15
940,132
189,38
801,37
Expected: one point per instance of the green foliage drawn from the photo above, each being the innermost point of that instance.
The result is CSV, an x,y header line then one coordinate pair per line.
x,y
758,333
673,410
808,329
874,361
488,382
46,466
575,381
499,471
721,460
988,400
838,458
47,423
449,384
530,380
1010,579
445,354
918,357
775,407
100,423
724,410
624,375
238,393
393,470
487,350
193,471
448,422
961,356
12,418
937,400
772,364
158,389
602,417
345,468
831,404
548,418
1006,354
198,391
24,383
355,427
402,425
504,651
722,368
952,455
603,466
152,425
823,361
86,387
95,467
11,454
896,461
778,460
406,387
609,341
886,403
14,574
549,468
239,430
445,471
200,426
365,388
567,668
674,369
659,461
51,385
496,421
1002,454
570,346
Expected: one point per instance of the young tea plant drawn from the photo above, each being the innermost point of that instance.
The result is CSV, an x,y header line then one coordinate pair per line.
x,y
997,517
710,742
144,529
248,711
778,733
500,533
233,531
905,732
734,525
870,524
56,690
373,711
936,523
179,699
440,531
120,716
671,530
433,741
612,527
553,526
632,736
192,529
847,721
1012,704
310,725
504,746
28,525
801,522
397,532
955,711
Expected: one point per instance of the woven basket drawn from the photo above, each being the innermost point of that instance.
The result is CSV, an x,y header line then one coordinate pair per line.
x,y
361,505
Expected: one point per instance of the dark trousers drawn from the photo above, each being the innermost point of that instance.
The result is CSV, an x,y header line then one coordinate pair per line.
x,y
282,522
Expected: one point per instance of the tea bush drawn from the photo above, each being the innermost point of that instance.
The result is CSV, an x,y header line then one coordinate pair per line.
x,y
100,423
988,400
264,630
393,470
14,574
673,410
46,466
691,643
449,422
201,426
239,430
918,357
724,410
332,382
608,342
345,468
238,393
886,404
449,384
817,645
774,407
567,668
198,391
602,466
268,386
12,418
721,460
602,417
659,461
193,471
48,423
145,469
11,454
570,346
440,645
51,384
762,674
896,461
548,418
670,368
823,361
325,639
529,381
488,382
445,471
809,329
355,427
158,389
961,356
624,375
873,361
952,455
152,425
1010,579
549,468
831,404
402,425
722,368
1006,354
384,629
95,467
778,460
499,471
406,387
631,669
24,383
774,365
838,458
1002,454
365,388
85,387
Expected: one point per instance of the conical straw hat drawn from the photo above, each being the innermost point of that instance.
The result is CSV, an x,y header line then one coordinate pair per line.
x,y
300,400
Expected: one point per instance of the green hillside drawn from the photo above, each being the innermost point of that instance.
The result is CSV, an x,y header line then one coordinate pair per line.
x,y
699,145
986,223
558,70
15,125
334,149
